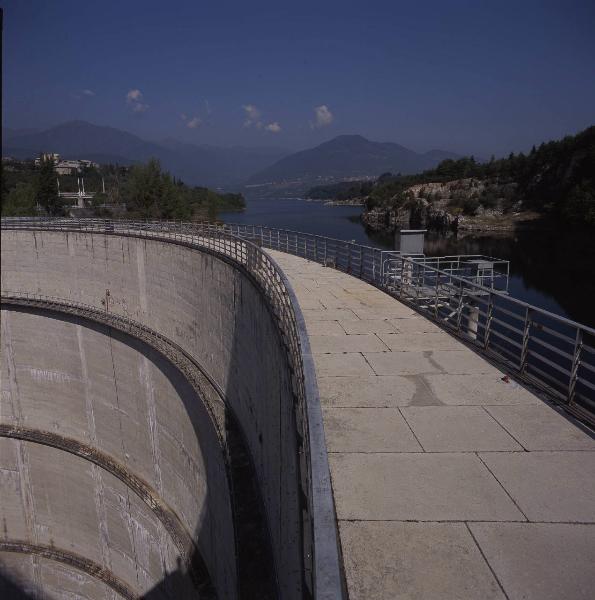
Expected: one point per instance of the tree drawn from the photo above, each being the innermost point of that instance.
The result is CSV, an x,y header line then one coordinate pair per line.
x,y
580,205
20,201
47,188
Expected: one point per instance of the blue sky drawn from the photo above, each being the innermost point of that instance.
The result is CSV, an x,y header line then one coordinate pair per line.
x,y
474,77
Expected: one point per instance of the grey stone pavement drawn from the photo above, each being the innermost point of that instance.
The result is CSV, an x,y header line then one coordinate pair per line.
x,y
449,482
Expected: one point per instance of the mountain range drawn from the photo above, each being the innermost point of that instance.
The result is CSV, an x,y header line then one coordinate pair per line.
x,y
195,164
345,156
348,156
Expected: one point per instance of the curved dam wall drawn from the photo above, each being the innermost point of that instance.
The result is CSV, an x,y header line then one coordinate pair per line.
x,y
88,383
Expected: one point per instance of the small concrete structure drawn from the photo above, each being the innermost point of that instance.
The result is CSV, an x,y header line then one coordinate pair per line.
x,y
451,482
410,241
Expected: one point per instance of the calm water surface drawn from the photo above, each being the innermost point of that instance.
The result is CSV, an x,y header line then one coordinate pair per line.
x,y
554,270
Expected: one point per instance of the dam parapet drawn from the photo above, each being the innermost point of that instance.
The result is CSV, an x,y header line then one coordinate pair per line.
x,y
441,397
220,312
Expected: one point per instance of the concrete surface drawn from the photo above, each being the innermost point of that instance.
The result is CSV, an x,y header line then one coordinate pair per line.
x,y
415,561
539,561
83,384
449,481
443,473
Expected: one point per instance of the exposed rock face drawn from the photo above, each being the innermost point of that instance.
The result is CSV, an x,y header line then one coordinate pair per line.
x,y
460,204
419,213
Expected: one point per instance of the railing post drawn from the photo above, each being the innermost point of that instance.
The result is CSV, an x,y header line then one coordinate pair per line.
x,y
576,361
348,249
489,316
437,275
360,262
460,308
526,337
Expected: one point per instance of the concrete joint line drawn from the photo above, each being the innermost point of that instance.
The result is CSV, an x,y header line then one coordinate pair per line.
x,y
205,388
181,538
486,561
502,486
73,560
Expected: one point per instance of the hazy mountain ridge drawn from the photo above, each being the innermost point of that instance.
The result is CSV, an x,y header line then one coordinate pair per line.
x,y
345,156
349,156
196,165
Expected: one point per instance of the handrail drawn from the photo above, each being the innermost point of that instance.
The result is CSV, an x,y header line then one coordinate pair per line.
x,y
451,300
324,551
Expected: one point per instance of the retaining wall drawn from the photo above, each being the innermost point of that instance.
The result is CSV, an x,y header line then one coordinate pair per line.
x,y
114,394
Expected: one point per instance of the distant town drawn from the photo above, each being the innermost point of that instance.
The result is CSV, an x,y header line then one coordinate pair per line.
x,y
61,166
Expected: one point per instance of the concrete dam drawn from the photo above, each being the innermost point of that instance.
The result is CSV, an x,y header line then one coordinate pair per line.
x,y
185,414
151,420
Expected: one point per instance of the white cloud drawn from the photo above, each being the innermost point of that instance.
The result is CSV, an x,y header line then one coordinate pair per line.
x,y
273,127
252,116
83,94
194,123
323,116
134,99
134,96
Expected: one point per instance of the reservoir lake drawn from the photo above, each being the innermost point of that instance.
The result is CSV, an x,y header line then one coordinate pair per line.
x,y
550,267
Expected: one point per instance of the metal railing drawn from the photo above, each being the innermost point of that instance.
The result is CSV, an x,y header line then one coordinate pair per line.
x,y
484,270
553,353
549,351
321,553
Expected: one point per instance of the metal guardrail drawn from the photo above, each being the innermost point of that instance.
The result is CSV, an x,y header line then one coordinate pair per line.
x,y
321,551
484,270
553,353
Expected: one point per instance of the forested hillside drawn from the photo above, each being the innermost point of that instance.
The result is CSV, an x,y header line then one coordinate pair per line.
x,y
556,179
140,191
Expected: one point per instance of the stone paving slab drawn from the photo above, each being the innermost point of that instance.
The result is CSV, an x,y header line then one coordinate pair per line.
x,y
325,328
457,429
402,363
421,487
323,314
413,342
474,389
368,430
333,344
414,324
429,473
540,427
540,561
342,365
548,486
414,561
368,326
394,310
463,362
371,391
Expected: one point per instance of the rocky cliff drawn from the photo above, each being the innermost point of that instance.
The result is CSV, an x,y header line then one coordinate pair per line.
x,y
462,204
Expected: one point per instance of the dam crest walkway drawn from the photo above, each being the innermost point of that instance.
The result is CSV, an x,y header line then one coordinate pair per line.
x,y
450,480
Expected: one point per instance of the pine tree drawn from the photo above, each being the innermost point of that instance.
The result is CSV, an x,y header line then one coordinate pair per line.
x,y
47,187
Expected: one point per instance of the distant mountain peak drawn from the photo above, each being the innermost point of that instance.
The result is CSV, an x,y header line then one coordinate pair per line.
x,y
197,165
347,137
346,156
